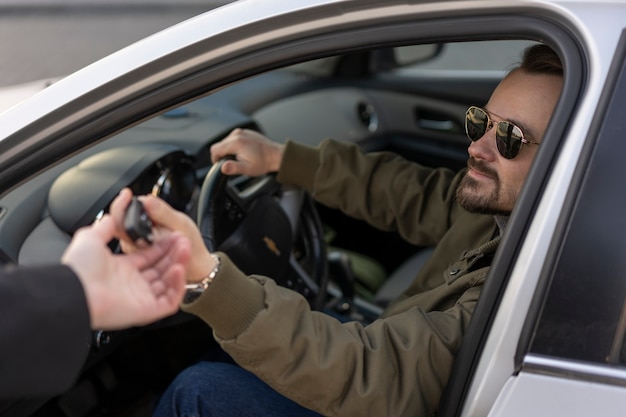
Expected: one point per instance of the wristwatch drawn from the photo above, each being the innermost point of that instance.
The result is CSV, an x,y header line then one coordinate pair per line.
x,y
195,289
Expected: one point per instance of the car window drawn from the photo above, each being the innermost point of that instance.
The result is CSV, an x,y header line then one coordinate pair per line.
x,y
481,56
584,314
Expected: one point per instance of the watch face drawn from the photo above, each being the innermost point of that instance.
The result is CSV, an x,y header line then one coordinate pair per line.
x,y
192,294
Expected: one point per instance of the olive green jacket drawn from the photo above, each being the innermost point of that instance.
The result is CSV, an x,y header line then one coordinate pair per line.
x,y
398,365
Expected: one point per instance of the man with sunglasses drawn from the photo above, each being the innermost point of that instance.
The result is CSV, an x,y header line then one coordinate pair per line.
x,y
399,364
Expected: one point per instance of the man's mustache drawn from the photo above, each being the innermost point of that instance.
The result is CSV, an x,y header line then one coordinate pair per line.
x,y
482,167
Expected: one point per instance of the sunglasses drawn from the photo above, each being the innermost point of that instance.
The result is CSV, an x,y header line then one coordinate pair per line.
x,y
509,138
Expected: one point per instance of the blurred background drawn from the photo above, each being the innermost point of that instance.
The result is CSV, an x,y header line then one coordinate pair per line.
x,y
50,38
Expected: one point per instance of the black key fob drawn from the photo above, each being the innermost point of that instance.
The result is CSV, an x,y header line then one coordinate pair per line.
x,y
137,224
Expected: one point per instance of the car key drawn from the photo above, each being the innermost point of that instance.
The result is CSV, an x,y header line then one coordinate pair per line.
x,y
137,224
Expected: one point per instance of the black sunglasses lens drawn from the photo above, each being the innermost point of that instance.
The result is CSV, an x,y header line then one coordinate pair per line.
x,y
508,139
476,122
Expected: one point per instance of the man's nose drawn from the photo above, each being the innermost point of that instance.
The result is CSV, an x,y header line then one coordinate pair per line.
x,y
485,147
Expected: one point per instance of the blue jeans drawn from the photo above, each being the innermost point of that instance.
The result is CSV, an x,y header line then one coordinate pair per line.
x,y
219,389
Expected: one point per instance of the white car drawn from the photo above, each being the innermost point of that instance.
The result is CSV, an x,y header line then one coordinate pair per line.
x,y
548,334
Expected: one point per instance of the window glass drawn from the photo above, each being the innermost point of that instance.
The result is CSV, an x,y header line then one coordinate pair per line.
x,y
584,314
499,56
491,58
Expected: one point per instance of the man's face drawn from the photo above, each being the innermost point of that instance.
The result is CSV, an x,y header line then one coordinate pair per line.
x,y
493,183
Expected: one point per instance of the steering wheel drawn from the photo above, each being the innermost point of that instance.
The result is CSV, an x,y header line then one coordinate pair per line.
x,y
266,229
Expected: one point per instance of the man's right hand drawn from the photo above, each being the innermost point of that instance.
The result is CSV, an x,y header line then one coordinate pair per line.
x,y
254,153
166,220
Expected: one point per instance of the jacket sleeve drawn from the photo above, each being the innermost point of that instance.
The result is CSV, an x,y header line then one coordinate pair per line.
x,y
44,331
396,366
394,193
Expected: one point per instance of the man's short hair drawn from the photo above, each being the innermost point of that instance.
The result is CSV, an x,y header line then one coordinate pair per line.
x,y
541,59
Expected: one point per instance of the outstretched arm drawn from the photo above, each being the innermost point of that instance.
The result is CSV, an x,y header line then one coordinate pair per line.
x,y
48,311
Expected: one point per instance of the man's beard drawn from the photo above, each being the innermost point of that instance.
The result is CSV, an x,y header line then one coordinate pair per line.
x,y
475,197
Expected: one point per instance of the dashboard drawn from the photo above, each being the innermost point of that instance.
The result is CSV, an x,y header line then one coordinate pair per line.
x,y
167,156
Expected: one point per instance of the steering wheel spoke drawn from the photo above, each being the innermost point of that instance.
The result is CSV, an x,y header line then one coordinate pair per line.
x,y
266,229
